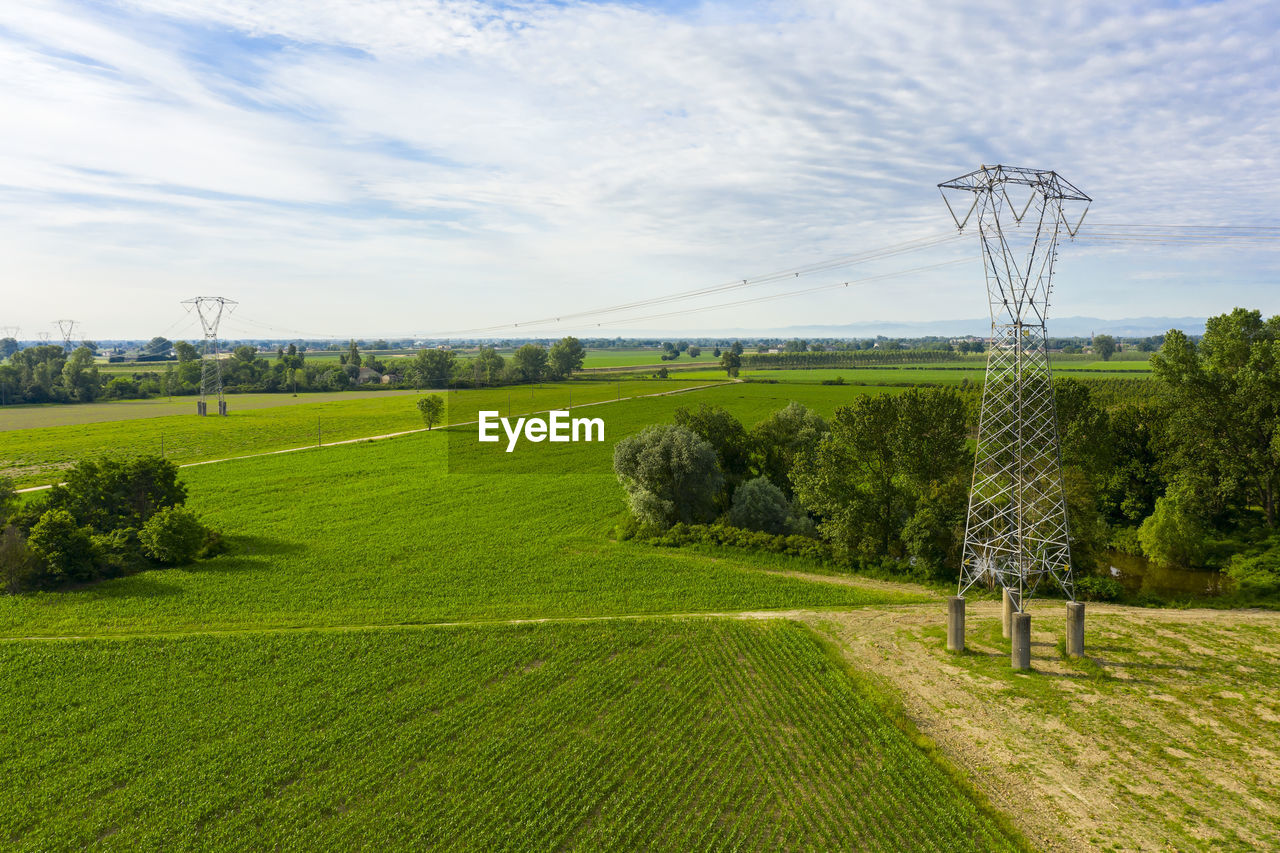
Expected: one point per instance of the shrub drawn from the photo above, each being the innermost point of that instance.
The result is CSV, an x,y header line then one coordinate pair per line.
x,y
106,494
1096,588
1171,536
63,547
760,505
172,536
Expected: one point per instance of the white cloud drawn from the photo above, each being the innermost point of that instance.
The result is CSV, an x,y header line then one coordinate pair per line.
x,y
469,164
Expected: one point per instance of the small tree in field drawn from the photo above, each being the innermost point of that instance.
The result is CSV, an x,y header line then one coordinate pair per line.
x,y
432,408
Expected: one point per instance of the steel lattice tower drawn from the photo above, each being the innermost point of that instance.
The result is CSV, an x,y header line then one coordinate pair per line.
x,y
1017,531
209,309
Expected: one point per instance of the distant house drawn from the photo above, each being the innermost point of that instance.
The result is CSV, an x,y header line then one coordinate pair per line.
x,y
367,375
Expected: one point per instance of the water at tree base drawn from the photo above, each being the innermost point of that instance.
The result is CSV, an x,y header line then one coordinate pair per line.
x,y
1140,575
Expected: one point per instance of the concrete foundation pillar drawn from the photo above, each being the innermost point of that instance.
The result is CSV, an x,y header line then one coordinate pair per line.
x,y
200,408
1009,608
955,623
1020,656
1075,629
222,407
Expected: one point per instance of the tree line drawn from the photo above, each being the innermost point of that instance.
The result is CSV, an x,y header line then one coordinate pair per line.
x,y
111,517
48,374
1183,469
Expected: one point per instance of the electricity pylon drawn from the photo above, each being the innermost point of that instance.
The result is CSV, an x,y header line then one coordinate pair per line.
x,y
68,330
1017,533
209,309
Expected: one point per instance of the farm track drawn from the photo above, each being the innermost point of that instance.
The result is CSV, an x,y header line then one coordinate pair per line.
x,y
383,436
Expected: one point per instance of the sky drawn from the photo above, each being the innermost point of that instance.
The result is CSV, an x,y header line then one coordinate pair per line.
x,y
421,168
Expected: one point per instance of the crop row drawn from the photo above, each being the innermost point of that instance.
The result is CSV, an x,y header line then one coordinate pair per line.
x,y
686,735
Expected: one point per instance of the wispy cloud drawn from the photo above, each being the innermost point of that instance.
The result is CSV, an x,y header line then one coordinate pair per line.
x,y
465,163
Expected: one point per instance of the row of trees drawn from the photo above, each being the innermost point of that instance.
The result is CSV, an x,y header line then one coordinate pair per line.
x,y
1185,470
45,374
111,517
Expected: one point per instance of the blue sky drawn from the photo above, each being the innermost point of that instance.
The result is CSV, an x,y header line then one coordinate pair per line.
x,y
387,168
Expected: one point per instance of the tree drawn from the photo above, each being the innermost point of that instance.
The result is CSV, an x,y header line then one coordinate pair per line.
x,y
80,375
530,362
730,362
1223,400
172,536
432,408
566,356
8,346
1172,535
186,352
760,505
8,499
727,437
353,354
736,349
715,352
489,364
694,351
780,438
158,346
105,494
882,460
670,475
1104,346
433,367
63,548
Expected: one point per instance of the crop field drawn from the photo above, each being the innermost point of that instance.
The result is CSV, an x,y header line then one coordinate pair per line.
x,y
56,414
35,456
642,735
437,527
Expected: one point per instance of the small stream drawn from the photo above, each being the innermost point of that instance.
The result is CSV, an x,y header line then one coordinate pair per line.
x,y
1139,575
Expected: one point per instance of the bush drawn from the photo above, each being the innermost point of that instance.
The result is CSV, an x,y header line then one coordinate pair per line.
x,y
1256,575
172,536
760,505
670,475
1096,588
1171,536
64,548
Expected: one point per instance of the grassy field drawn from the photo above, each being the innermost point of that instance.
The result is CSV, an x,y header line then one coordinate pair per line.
x,y
33,456
345,677
436,527
55,414
1165,737
624,736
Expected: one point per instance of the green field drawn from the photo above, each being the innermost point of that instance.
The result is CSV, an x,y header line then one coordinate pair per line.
x,y
641,735
436,527
33,456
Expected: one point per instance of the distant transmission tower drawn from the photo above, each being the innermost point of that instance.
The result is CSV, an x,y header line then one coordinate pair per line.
x,y
210,309
1017,532
68,330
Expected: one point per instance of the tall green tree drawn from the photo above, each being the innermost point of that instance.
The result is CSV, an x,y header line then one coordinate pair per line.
x,y
726,435
1223,398
1104,346
530,362
779,439
885,460
80,375
433,367
566,356
670,475
489,365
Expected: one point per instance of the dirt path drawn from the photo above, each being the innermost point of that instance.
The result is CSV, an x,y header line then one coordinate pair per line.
x,y
1166,737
